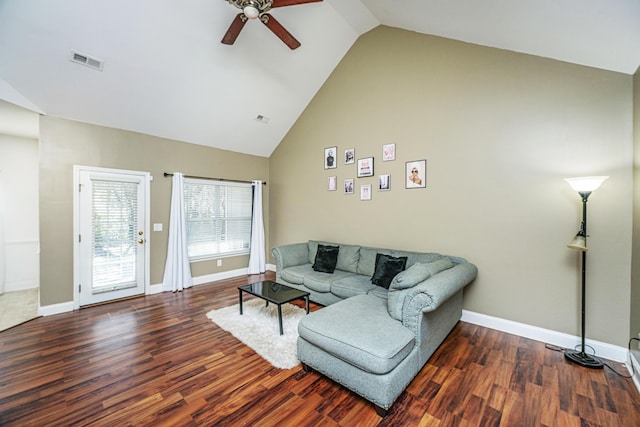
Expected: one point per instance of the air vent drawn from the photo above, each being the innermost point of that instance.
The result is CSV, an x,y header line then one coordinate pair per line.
x,y
262,119
81,58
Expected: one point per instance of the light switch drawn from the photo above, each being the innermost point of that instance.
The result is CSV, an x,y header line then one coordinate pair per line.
x,y
157,227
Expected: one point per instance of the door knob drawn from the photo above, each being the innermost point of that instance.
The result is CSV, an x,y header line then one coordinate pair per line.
x,y
141,241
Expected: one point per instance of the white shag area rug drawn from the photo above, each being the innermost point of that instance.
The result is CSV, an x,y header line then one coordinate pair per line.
x,y
258,328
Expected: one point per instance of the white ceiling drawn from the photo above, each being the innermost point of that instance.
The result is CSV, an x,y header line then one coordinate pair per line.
x,y
167,74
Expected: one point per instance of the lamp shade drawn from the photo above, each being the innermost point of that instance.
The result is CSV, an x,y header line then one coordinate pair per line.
x,y
586,183
579,242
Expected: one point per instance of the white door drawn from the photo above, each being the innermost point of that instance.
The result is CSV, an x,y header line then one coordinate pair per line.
x,y
111,259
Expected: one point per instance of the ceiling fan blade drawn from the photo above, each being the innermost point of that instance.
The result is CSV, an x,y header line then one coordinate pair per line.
x,y
280,31
234,29
282,3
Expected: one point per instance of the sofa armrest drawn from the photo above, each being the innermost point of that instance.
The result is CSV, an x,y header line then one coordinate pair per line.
x,y
290,255
430,294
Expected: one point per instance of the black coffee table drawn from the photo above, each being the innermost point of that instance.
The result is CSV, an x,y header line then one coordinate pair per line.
x,y
276,293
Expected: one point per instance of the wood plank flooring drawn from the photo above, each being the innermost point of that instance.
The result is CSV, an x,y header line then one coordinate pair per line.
x,y
159,361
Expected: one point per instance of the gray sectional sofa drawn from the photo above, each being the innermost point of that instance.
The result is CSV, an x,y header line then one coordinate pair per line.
x,y
371,339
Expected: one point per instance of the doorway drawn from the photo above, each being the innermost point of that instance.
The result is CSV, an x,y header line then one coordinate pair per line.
x,y
111,211
19,215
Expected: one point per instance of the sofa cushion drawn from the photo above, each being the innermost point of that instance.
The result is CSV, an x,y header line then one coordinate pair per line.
x,y
414,257
321,282
348,258
419,272
402,285
367,262
352,285
326,258
313,248
386,269
296,274
359,331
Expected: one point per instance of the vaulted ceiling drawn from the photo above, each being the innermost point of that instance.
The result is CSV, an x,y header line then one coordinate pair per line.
x,y
165,72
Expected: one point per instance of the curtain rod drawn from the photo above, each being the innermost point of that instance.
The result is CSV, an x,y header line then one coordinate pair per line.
x,y
214,179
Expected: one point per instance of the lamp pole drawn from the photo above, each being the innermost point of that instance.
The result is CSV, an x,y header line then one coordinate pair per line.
x,y
575,356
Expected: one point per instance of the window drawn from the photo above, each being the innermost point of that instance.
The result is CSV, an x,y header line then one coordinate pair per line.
x,y
218,217
114,239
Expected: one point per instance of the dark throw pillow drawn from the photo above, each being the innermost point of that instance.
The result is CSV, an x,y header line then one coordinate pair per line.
x,y
326,258
386,269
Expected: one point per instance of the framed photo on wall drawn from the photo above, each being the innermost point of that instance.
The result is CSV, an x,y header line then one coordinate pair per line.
x,y
416,174
330,157
349,156
388,152
384,182
332,183
348,186
365,192
365,167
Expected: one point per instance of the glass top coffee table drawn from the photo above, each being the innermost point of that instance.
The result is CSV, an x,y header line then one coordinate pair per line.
x,y
276,293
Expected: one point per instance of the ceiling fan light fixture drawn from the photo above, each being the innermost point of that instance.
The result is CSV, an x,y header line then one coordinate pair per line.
x,y
259,9
251,12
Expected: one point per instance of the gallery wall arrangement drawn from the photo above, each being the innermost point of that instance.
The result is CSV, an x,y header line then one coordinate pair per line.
x,y
415,175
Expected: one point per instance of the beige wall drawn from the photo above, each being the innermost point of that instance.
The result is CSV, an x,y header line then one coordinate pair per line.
x,y
635,272
64,143
500,131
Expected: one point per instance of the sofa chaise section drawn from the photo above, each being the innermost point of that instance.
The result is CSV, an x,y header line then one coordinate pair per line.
x,y
370,339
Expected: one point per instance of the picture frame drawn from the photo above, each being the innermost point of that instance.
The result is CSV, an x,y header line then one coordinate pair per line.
x,y
365,192
348,186
330,157
365,167
349,156
388,152
332,183
416,174
384,182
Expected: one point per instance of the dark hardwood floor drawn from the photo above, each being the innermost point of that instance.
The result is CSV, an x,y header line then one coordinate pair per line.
x,y
159,361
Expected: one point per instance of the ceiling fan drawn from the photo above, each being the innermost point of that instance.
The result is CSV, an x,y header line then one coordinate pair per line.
x,y
258,9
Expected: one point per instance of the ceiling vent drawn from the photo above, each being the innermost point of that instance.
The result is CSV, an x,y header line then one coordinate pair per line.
x,y
81,58
262,119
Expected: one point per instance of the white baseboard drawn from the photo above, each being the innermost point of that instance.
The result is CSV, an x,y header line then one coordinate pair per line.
x,y
605,350
64,307
49,310
201,280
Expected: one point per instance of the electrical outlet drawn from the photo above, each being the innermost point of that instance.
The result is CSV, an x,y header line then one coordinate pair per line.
x,y
219,263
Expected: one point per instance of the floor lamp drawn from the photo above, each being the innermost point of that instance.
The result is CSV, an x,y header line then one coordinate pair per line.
x,y
584,186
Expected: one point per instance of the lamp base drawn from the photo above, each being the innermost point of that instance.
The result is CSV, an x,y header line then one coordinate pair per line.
x,y
583,359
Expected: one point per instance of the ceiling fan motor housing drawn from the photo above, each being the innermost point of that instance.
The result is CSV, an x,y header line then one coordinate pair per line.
x,y
252,9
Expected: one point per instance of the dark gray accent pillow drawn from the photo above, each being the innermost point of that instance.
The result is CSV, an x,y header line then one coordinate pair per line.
x,y
326,258
387,267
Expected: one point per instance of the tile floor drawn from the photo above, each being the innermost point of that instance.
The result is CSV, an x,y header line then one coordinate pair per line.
x,y
17,307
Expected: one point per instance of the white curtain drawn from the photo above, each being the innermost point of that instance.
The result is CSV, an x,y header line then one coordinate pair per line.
x,y
257,257
177,271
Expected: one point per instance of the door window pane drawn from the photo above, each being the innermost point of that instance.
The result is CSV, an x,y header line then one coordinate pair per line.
x,y
114,234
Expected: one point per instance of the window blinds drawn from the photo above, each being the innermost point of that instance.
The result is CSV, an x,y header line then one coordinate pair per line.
x,y
218,217
114,234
